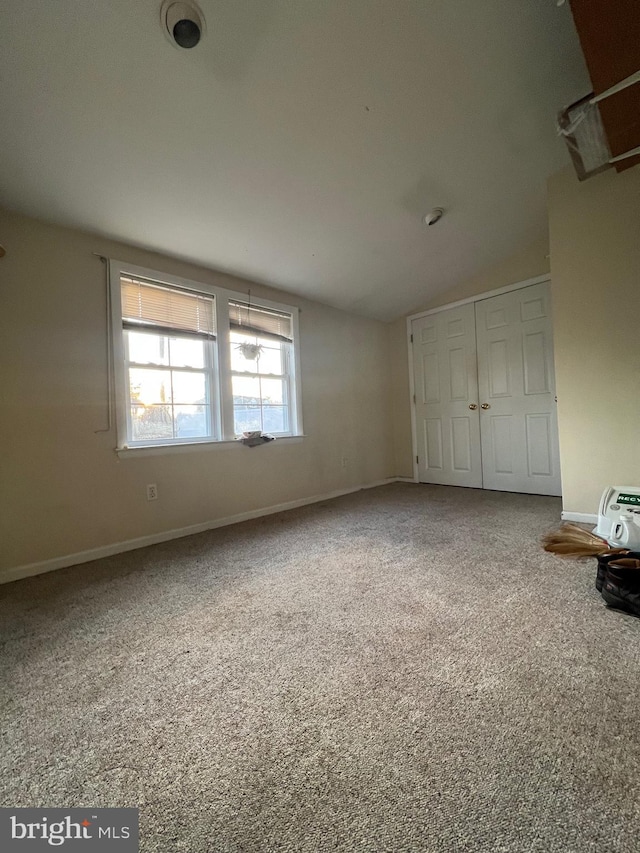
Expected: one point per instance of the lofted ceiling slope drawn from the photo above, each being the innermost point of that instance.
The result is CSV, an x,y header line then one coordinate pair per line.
x,y
301,142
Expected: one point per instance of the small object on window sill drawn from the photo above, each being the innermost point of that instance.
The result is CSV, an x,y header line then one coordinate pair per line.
x,y
256,437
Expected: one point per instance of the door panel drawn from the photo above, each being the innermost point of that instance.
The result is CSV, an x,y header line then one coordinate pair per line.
x,y
461,444
431,378
499,368
458,379
539,443
536,368
446,382
502,450
433,443
519,433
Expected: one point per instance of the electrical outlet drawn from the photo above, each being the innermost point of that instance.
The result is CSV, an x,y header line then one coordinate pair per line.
x,y
152,492
345,461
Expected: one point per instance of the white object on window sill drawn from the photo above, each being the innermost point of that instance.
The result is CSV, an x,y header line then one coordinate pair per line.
x,y
255,438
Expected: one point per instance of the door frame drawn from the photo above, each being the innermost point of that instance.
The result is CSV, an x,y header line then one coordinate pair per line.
x,y
539,279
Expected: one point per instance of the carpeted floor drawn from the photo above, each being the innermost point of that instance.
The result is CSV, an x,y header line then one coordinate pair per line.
x,y
398,670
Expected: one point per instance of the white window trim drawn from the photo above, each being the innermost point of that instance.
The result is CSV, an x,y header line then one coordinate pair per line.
x,y
221,302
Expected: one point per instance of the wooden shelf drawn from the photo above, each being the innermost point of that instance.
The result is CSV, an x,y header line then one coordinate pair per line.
x,y
609,32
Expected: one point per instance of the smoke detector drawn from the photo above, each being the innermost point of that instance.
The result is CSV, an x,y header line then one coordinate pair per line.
x,y
182,22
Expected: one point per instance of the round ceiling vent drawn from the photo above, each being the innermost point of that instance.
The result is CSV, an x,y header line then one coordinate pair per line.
x,y
182,22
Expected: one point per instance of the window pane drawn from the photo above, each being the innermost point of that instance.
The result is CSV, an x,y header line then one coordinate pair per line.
x,y
186,352
272,391
241,364
246,390
191,421
247,359
151,423
240,338
247,418
274,419
270,361
147,348
189,388
149,387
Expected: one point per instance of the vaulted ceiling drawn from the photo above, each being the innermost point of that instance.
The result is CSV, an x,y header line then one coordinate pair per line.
x,y
301,142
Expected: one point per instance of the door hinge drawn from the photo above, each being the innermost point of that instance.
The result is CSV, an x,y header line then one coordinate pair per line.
x,y
418,459
414,398
411,338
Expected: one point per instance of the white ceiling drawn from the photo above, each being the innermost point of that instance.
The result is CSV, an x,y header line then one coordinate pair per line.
x,y
301,142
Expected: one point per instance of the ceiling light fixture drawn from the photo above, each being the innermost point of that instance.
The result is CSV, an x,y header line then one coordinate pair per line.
x,y
433,216
182,22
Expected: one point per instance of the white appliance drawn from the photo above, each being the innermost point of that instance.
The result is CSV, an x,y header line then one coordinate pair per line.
x,y
619,517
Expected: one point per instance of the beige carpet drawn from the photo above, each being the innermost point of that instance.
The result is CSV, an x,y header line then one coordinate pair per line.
x,y
397,670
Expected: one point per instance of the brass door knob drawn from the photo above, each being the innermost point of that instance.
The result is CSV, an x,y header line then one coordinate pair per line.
x,y
473,405
485,406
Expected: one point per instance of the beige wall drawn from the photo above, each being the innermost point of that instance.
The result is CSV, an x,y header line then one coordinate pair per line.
x,y
63,489
595,278
527,263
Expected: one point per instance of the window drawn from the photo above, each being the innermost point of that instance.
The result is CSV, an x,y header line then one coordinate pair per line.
x,y
261,358
197,364
169,360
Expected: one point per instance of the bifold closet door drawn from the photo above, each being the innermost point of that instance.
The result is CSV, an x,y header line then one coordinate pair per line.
x,y
446,398
516,384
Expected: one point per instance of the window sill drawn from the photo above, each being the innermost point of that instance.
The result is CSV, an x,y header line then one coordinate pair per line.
x,y
202,446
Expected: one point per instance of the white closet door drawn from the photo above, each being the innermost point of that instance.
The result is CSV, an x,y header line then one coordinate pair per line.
x,y
446,385
518,425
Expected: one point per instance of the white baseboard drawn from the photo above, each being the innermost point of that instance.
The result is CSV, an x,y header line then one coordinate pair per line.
x,y
44,566
582,517
405,480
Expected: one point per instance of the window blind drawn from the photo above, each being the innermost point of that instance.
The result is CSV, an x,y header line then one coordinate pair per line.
x,y
264,322
166,309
